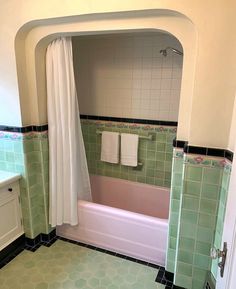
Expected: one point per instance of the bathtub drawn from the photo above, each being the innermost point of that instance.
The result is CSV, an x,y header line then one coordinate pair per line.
x,y
125,217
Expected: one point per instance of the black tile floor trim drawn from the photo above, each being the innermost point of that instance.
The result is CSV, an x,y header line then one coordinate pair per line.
x,y
166,278
12,250
109,252
163,277
42,239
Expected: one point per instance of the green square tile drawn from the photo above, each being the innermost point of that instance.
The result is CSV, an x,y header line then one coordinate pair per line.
x,y
168,156
173,230
161,147
187,230
184,269
199,274
175,205
203,248
206,220
162,137
186,244
150,173
201,261
208,206
192,188
172,243
10,157
194,173
177,179
176,192
159,182
185,257
210,191
196,284
151,155
150,181
189,217
212,175
160,156
190,203
205,234
160,165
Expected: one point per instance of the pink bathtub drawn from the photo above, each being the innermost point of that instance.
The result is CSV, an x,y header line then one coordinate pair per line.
x,y
126,217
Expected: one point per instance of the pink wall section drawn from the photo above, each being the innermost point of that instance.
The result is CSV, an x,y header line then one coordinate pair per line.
x,y
135,197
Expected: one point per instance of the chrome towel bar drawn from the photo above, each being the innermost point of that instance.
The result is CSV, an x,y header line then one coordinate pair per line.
x,y
149,137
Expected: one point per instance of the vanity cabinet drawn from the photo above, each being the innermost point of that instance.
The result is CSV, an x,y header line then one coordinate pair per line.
x,y
11,226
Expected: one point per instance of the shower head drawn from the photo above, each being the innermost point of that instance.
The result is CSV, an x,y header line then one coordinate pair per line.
x,y
164,51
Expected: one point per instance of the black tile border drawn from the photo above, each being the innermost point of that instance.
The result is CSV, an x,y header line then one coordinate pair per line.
x,y
166,278
42,239
130,120
214,152
116,254
12,250
23,243
24,129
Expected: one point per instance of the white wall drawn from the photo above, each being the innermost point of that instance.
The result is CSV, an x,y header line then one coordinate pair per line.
x,y
125,75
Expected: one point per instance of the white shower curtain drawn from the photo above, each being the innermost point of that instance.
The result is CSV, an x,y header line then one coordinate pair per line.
x,y
68,172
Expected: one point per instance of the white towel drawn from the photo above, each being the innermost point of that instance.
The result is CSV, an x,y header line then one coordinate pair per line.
x,y
110,147
129,149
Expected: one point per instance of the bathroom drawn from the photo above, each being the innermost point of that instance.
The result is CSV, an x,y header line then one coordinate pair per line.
x,y
198,111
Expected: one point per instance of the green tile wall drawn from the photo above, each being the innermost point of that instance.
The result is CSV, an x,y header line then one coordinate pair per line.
x,y
221,215
176,188
196,216
155,155
28,155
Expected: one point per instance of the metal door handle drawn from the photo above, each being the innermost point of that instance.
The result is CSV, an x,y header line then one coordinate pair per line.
x,y
216,254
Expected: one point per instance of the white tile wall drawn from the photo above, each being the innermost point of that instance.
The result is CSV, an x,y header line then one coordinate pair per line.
x,y
126,76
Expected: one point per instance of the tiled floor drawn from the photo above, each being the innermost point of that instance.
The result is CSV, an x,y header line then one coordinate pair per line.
x,y
69,266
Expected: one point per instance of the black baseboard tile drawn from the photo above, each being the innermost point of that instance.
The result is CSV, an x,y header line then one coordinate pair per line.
x,y
12,250
166,278
42,239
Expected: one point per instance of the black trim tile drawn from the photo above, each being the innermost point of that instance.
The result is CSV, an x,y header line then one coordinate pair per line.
x,y
169,276
229,155
130,120
12,250
179,143
195,150
215,152
166,278
24,129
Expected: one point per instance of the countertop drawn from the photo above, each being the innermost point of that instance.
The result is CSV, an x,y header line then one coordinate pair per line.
x,y
8,178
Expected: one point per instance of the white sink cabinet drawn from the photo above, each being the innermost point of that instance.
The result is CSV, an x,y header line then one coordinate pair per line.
x,y
11,226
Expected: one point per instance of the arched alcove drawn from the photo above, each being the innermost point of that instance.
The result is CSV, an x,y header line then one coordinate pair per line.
x,y
33,38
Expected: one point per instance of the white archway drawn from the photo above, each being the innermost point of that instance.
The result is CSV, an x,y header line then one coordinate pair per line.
x,y
33,38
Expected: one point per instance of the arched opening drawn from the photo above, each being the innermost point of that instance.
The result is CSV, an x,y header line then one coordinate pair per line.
x,y
33,38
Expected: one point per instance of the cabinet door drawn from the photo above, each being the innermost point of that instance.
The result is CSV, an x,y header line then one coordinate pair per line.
x,y
10,220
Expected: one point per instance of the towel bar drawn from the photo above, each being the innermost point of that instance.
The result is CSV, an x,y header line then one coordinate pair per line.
x,y
149,137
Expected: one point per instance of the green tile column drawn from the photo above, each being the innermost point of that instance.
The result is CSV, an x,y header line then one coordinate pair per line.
x,y
198,214
175,195
27,154
221,214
